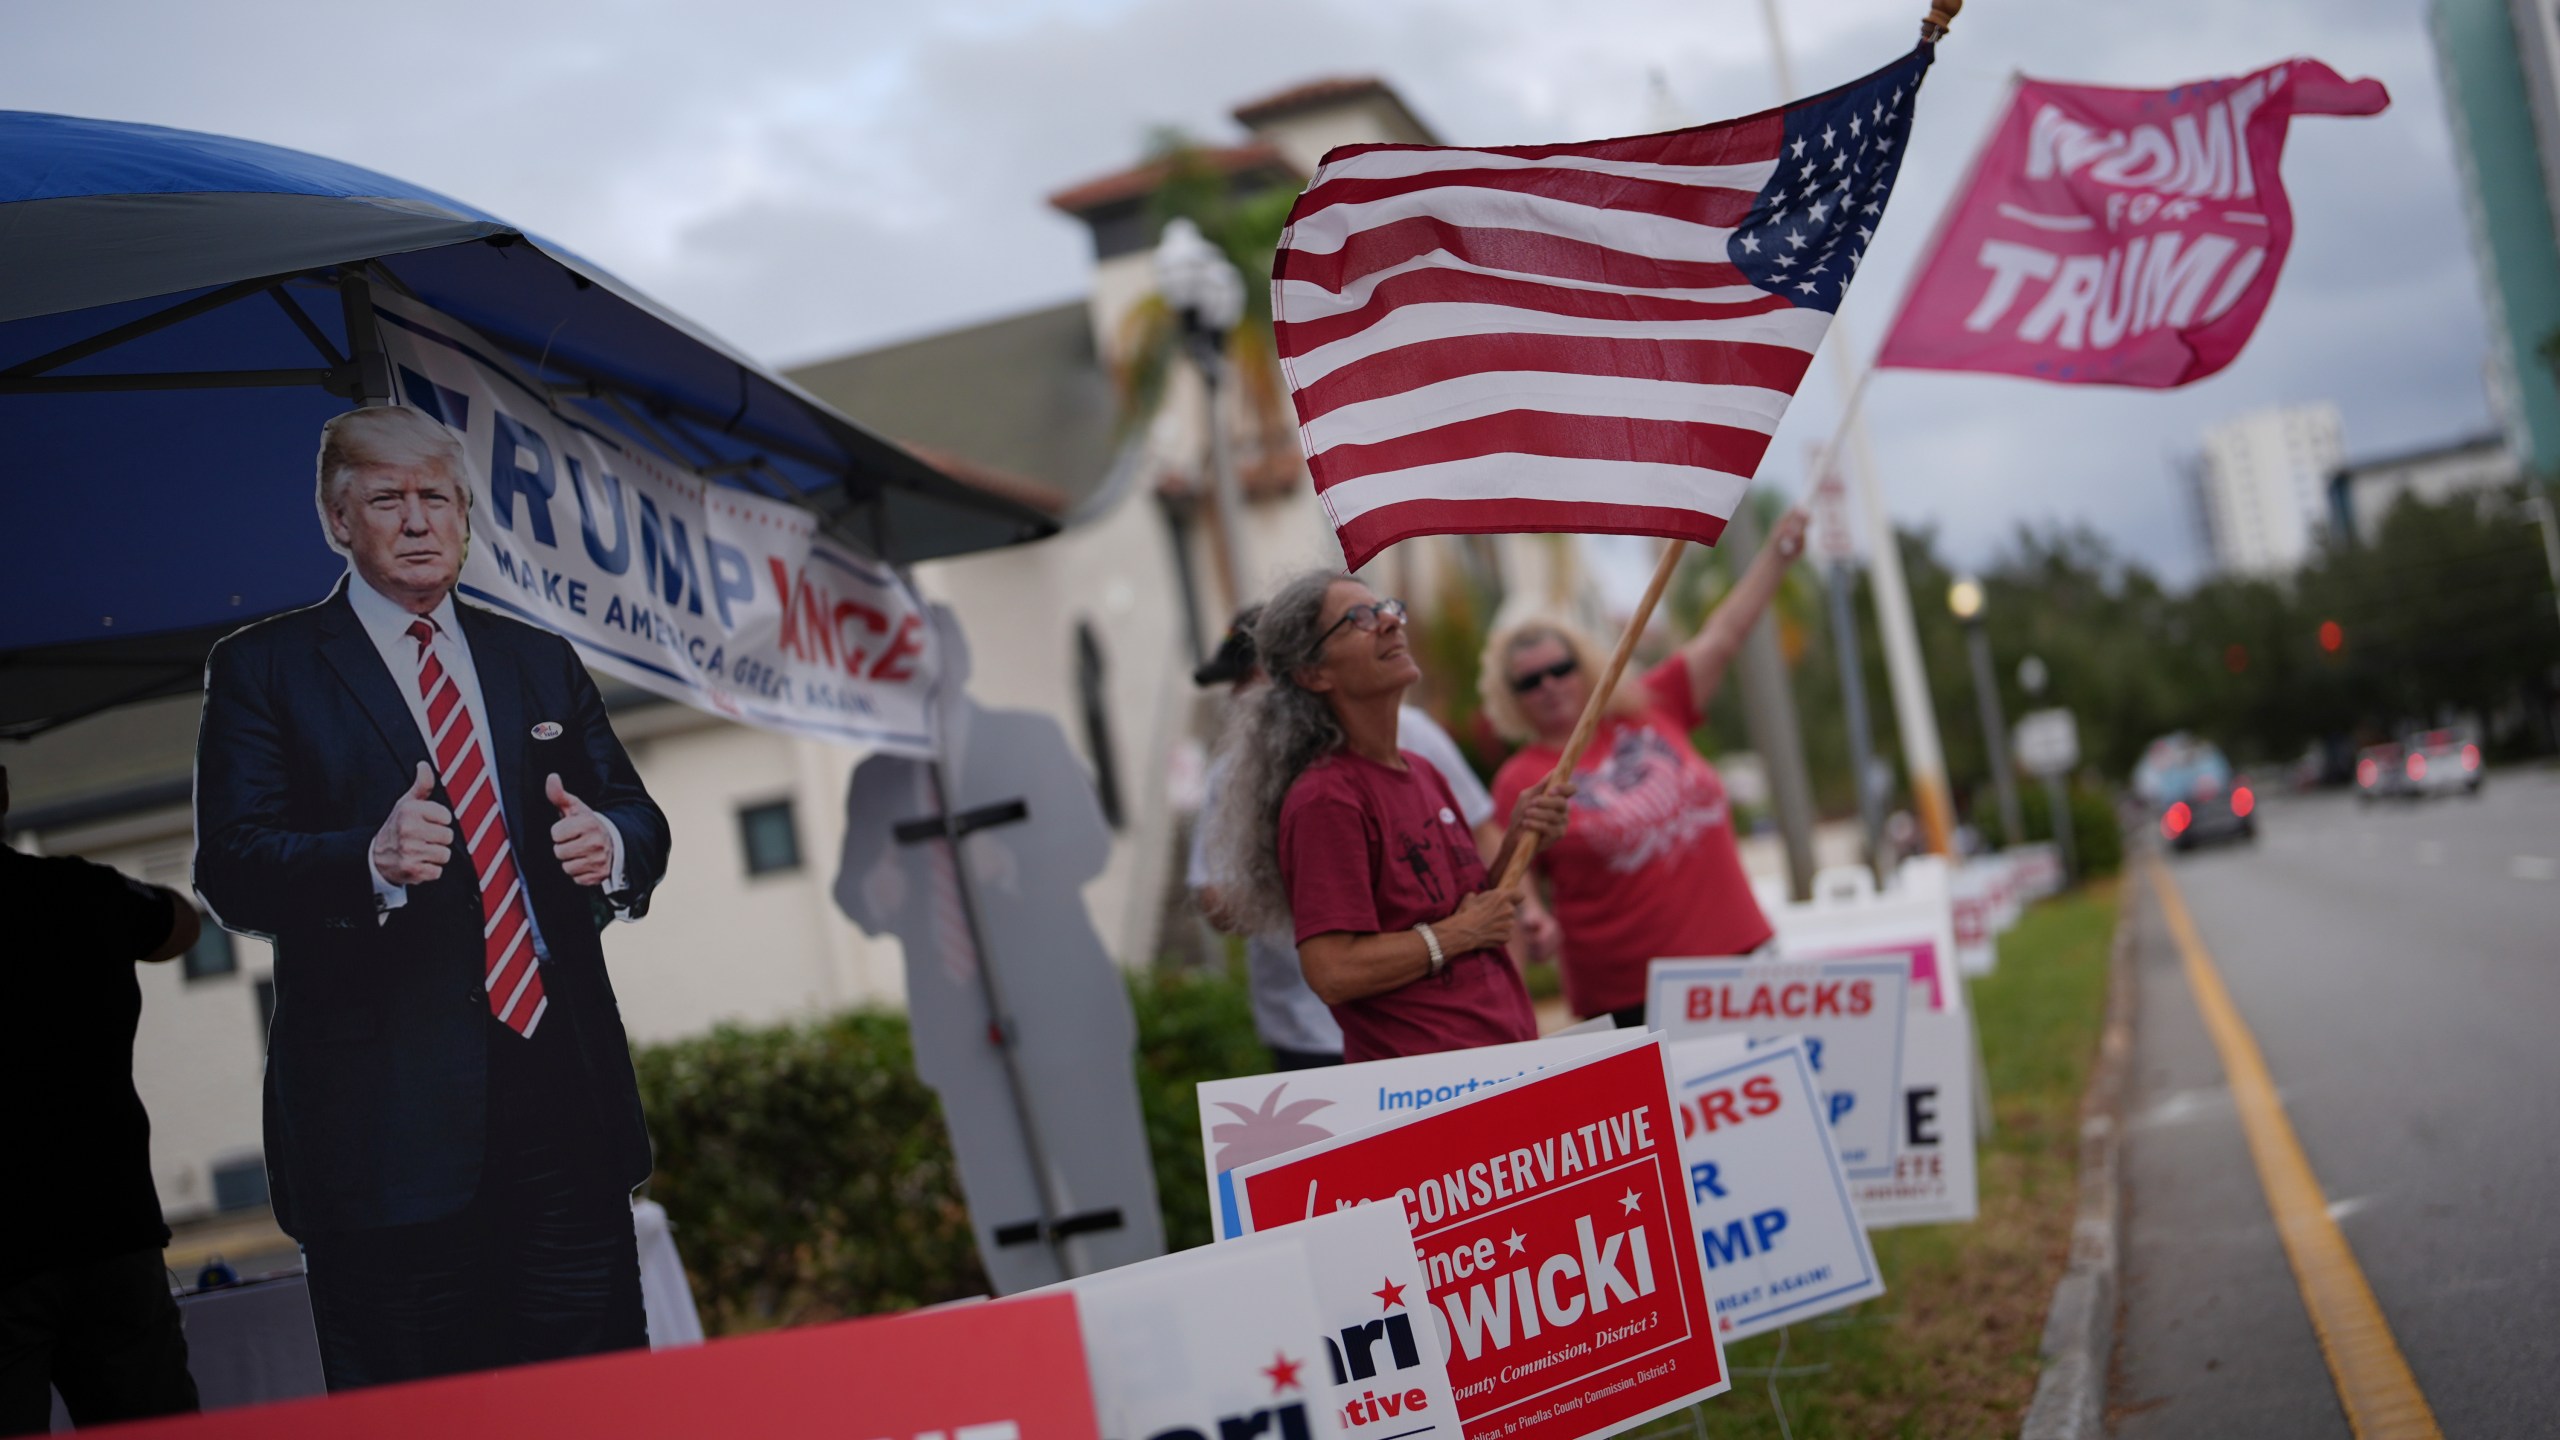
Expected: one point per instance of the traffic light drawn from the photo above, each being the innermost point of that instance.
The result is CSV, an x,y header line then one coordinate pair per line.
x,y
2332,639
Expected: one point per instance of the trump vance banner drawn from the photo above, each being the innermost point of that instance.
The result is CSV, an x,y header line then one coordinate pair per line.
x,y
1553,1222
728,601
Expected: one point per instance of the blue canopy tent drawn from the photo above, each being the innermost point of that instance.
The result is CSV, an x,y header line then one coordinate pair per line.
x,y
180,312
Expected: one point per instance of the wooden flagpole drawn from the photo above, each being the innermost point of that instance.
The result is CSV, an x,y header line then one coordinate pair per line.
x,y
1932,29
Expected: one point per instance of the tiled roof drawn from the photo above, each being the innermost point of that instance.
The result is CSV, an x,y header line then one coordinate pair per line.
x,y
1141,180
1332,90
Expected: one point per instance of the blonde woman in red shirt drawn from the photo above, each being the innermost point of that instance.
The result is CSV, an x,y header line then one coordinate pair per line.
x,y
1648,865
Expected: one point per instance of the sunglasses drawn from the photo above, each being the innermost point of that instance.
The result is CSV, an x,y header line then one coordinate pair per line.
x,y
1523,684
1367,619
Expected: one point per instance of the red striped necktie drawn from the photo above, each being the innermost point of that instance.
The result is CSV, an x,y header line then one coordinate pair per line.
x,y
471,787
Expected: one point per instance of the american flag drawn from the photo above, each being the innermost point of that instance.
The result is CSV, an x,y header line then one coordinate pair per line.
x,y
1594,338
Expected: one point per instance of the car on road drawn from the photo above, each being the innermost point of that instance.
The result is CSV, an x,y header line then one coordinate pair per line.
x,y
2431,762
2193,794
2379,773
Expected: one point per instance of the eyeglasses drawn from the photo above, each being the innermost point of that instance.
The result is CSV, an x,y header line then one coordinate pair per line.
x,y
1367,619
1523,684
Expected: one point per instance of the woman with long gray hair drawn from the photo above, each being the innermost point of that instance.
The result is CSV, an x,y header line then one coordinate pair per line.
x,y
1327,827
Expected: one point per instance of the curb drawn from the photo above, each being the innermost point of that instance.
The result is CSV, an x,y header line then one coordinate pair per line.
x,y
2079,1330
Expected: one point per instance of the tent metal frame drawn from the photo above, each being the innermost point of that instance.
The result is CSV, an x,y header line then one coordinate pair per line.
x,y
364,379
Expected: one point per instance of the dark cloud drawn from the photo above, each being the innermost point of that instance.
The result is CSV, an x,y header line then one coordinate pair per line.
x,y
813,177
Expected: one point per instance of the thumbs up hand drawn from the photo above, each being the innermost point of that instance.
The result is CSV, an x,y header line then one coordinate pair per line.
x,y
415,842
579,839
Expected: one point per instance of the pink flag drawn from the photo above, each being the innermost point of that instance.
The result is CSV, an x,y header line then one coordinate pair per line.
x,y
2118,237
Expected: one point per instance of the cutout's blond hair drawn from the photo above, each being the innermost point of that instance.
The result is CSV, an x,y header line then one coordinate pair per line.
x,y
379,435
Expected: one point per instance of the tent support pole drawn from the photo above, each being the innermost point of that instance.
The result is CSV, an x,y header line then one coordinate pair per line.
x,y
303,322
371,370
169,380
135,329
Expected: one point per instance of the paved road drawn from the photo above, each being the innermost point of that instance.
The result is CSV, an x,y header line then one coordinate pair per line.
x,y
2400,967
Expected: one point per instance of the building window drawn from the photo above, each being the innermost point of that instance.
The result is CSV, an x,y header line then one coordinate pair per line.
x,y
212,954
770,837
1095,702
240,1184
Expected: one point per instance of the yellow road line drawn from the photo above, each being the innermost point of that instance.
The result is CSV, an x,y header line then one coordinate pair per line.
x,y
2375,1386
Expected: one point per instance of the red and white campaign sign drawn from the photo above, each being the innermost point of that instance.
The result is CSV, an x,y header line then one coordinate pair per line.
x,y
1553,1222
2118,237
1850,1012
1254,1117
1005,1370
1781,1237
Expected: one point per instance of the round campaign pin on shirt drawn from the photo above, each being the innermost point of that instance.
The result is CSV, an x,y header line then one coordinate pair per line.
x,y
1448,816
547,730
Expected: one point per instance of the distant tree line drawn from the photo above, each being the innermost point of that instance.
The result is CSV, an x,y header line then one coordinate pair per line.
x,y
2447,615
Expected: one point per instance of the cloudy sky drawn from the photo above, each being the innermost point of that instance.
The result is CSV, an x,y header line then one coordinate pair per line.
x,y
813,176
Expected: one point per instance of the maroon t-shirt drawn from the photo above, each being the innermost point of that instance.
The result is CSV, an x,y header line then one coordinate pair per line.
x,y
1371,850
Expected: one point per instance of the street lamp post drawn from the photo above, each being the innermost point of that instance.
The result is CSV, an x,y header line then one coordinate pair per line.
x,y
2057,780
1203,288
1965,599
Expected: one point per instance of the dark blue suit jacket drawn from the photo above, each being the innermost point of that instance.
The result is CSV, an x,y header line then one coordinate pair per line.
x,y
377,1060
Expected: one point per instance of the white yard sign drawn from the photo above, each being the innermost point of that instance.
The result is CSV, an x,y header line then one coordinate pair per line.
x,y
1377,1361
1930,1176
1211,1342
1778,1230
1849,1011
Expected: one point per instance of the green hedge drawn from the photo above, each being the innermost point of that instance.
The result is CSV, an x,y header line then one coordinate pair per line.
x,y
809,1177
2094,825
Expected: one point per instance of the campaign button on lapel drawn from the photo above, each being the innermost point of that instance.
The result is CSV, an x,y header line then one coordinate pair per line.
x,y
1448,816
547,730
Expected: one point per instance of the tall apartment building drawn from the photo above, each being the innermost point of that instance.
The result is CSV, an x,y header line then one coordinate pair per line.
x,y
2500,61
2262,486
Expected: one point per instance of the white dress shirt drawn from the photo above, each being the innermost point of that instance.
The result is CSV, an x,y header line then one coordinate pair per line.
x,y
386,622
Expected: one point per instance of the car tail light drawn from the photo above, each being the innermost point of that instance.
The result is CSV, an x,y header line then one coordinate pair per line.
x,y
2242,802
2470,757
2417,767
2173,822
2368,774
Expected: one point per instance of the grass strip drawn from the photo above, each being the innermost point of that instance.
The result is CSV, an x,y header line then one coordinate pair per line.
x,y
1949,1350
